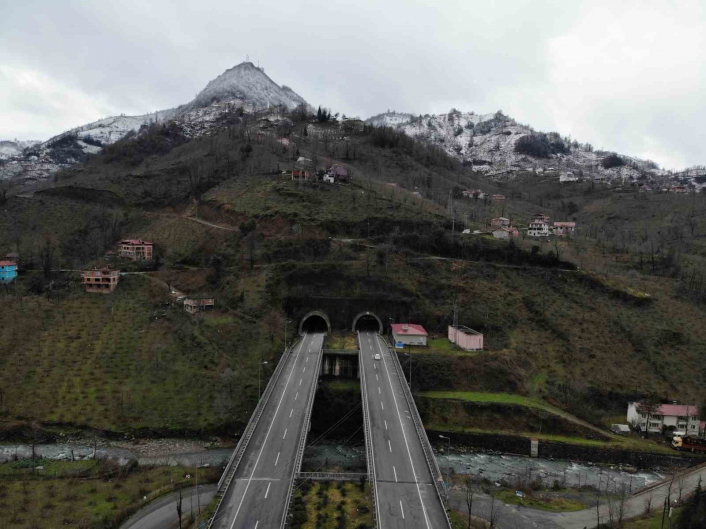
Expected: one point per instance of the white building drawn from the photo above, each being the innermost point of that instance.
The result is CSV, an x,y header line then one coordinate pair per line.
x,y
408,334
538,228
683,417
568,177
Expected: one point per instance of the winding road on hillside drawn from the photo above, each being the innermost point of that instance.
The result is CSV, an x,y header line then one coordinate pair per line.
x,y
404,486
258,494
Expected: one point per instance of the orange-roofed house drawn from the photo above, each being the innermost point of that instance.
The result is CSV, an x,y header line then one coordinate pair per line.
x,y
102,281
136,249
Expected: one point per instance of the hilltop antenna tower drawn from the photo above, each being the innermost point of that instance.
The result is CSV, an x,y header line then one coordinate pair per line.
x,y
247,57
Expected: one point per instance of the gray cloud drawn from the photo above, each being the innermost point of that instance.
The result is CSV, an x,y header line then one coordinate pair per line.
x,y
625,76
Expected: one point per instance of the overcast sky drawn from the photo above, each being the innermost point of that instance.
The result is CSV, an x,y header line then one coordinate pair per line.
x,y
623,75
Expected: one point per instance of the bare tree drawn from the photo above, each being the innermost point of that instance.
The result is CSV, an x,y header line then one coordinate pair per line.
x,y
470,491
648,503
648,407
178,509
46,256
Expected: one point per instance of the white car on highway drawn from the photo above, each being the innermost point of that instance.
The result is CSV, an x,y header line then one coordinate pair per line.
x,y
376,357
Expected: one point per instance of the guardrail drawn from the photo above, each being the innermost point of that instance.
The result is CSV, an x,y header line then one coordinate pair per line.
x,y
331,476
237,456
421,433
368,438
302,438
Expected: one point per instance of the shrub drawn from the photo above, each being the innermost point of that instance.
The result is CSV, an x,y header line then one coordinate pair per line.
x,y
612,160
540,145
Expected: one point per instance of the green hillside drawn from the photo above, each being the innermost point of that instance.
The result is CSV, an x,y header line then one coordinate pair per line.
x,y
586,340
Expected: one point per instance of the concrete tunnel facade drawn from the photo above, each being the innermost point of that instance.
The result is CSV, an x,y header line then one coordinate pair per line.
x,y
369,314
315,313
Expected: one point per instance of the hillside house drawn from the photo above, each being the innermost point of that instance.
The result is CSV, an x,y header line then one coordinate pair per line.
x,y
199,303
682,417
505,233
8,271
538,228
498,198
408,334
338,172
300,173
600,179
100,281
564,228
12,256
500,221
473,193
135,249
568,177
678,189
466,338
540,217
329,179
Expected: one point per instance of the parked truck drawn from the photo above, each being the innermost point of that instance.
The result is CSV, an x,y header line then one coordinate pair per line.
x,y
689,443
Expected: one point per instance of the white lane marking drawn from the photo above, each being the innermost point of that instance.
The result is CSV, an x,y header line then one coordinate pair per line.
x,y
389,445
401,509
409,453
381,404
296,396
307,358
258,522
278,453
285,433
284,392
304,370
393,469
290,413
385,425
300,381
376,376
270,483
379,392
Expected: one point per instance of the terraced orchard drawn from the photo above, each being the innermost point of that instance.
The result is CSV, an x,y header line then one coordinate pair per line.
x,y
125,361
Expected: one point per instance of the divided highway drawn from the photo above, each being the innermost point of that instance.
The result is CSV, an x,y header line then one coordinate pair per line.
x,y
258,494
406,496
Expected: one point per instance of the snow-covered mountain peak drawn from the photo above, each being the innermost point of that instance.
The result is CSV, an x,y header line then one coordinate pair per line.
x,y
248,84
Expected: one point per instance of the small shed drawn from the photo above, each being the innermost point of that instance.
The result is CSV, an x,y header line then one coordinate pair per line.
x,y
466,338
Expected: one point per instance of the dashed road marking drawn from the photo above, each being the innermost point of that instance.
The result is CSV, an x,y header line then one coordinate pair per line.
x,y
285,433
278,453
290,413
389,445
270,483
381,404
401,509
393,469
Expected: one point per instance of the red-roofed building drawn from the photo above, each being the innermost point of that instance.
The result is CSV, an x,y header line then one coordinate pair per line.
x,y
135,249
408,334
102,281
682,417
564,228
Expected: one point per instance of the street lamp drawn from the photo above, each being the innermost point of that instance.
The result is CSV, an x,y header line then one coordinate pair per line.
x,y
448,467
259,371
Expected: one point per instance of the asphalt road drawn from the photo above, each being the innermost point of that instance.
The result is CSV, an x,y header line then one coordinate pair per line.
x,y
405,492
257,495
162,514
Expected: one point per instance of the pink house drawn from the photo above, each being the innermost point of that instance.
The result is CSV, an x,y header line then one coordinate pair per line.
x,y
135,249
466,338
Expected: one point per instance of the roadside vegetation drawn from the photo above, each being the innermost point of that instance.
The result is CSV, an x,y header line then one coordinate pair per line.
x,y
332,505
84,494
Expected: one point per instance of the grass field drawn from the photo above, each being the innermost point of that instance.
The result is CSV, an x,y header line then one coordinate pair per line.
x,y
83,494
505,399
544,504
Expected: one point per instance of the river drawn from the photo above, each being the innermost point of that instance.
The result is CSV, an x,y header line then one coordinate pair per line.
x,y
334,457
